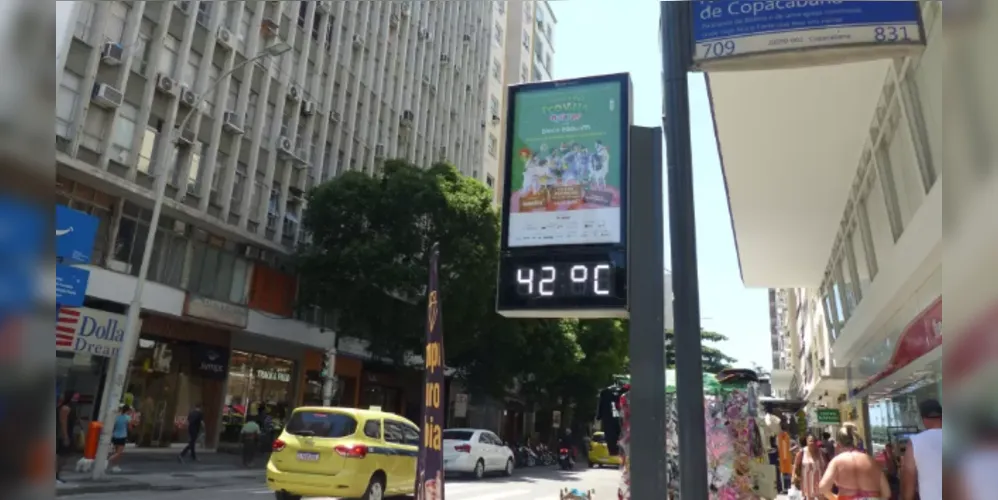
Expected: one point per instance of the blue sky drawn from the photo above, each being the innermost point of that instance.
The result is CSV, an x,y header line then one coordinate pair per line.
x,y
594,37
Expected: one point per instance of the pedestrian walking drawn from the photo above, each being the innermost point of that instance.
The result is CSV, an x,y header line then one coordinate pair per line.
x,y
67,427
809,466
857,475
250,435
195,420
922,465
119,437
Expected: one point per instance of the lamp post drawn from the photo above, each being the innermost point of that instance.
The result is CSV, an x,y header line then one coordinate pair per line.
x,y
131,337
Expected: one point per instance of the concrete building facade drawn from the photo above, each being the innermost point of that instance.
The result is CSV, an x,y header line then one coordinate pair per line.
x,y
834,180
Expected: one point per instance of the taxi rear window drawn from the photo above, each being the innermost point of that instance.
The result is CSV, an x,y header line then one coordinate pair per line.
x,y
321,424
599,438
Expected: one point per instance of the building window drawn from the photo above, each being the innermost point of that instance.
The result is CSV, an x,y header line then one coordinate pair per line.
x,y
497,70
498,32
851,272
490,181
67,98
493,145
887,181
501,6
218,274
861,261
526,40
881,228
124,129
494,106
524,73
256,384
843,296
866,238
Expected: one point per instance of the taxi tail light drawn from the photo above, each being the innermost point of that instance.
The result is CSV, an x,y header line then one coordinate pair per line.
x,y
463,448
563,450
278,445
358,451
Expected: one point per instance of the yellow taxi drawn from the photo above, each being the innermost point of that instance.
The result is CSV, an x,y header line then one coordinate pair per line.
x,y
344,453
599,454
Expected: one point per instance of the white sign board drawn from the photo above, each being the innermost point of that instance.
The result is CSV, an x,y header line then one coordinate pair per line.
x,y
83,330
461,405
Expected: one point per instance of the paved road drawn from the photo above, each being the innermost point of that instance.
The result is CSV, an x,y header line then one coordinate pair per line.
x,y
532,484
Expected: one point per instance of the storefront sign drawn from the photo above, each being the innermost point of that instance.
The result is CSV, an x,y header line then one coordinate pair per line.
x,y
430,460
216,311
756,34
921,336
828,416
209,361
70,285
75,233
278,376
89,331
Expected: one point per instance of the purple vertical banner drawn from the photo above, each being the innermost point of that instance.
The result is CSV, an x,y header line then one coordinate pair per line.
x,y
430,470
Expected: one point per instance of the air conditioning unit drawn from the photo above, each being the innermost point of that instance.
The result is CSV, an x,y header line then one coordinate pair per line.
x,y
444,59
358,42
457,68
394,20
269,28
335,116
294,93
112,53
326,6
408,115
106,96
424,35
379,151
232,122
426,79
186,138
286,147
165,84
406,9
406,119
466,38
225,37
496,119
188,97
308,108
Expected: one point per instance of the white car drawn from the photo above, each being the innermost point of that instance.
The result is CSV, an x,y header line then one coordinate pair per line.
x,y
476,452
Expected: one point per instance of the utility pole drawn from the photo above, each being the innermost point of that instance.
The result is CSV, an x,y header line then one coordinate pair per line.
x,y
677,54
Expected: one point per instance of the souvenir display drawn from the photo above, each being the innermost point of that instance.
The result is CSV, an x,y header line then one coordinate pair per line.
x,y
735,450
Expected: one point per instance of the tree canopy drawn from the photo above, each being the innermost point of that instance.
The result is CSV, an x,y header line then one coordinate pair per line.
x,y
367,257
714,360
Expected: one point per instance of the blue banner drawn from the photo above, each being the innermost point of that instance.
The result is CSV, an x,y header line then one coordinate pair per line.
x,y
22,228
70,285
75,233
725,29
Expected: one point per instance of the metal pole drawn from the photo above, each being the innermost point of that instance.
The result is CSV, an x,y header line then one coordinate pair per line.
x,y
124,358
646,243
676,58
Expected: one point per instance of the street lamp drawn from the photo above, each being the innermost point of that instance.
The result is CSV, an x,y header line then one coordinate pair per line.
x,y
131,337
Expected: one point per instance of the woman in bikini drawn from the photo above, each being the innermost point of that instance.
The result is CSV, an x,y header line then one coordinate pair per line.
x,y
857,475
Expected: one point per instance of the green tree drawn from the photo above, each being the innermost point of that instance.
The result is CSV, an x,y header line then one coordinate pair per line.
x,y
367,257
714,360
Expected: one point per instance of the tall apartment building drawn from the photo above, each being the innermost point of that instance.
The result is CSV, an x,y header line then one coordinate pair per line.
x,y
362,82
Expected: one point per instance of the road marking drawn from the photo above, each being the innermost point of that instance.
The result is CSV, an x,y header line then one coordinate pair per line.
x,y
501,496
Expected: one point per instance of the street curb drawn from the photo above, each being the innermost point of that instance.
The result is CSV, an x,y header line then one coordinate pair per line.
x,y
130,486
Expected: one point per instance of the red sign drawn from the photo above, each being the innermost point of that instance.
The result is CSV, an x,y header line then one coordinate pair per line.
x,y
920,337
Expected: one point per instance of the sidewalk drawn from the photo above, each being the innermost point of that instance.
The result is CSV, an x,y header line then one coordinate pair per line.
x,y
160,471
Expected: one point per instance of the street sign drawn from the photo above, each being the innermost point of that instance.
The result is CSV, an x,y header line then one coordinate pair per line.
x,y
565,207
70,285
738,34
75,232
828,416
